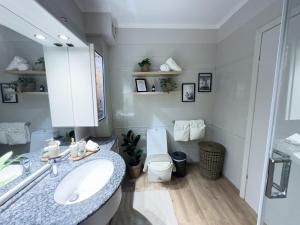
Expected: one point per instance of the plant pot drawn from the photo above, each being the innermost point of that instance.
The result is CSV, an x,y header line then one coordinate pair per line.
x,y
135,171
145,68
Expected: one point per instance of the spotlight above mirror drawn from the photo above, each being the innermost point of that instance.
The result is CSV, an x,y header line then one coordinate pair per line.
x,y
63,37
40,37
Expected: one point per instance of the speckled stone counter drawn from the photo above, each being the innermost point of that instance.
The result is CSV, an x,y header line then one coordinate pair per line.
x,y
35,205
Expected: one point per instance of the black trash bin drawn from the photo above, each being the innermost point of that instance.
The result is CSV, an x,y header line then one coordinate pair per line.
x,y
179,160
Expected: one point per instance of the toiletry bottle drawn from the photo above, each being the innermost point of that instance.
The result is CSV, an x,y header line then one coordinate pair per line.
x,y
153,88
73,149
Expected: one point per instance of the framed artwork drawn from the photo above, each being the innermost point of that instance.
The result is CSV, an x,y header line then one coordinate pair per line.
x,y
8,92
141,85
204,82
188,92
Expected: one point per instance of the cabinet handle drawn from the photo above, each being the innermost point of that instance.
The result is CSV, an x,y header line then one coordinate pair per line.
x,y
273,189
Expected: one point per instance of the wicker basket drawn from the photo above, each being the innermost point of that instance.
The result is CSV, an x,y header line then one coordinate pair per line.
x,y
211,159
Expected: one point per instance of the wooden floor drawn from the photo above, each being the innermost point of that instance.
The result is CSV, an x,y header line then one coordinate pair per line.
x,y
198,201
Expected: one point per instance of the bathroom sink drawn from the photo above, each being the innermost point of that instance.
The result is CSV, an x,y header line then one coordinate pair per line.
x,y
84,181
10,173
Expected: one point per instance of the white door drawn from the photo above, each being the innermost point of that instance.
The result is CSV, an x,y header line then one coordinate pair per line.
x,y
267,64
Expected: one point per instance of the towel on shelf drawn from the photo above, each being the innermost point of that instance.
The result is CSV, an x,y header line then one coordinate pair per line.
x,y
181,130
293,139
173,65
164,68
197,129
16,133
156,158
17,60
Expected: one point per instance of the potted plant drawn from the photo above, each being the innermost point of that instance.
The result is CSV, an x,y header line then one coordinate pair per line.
x,y
145,65
40,64
168,84
130,147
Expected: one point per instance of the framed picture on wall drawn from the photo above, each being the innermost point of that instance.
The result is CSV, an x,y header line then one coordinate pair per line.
x,y
188,92
141,85
204,82
8,93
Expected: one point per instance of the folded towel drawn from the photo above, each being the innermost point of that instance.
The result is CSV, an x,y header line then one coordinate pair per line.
x,y
23,67
181,130
17,60
17,133
164,68
294,139
157,158
92,146
173,65
197,129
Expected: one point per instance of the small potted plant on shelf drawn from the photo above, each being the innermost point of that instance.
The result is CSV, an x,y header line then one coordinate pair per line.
x,y
145,65
40,64
130,147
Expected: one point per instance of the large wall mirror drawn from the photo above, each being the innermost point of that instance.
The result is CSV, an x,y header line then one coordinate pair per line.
x,y
99,73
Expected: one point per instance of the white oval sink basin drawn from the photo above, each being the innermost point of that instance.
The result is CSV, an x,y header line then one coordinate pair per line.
x,y
10,173
84,181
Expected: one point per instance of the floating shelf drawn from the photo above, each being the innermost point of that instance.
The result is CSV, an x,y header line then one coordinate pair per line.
x,y
154,93
27,72
33,93
156,74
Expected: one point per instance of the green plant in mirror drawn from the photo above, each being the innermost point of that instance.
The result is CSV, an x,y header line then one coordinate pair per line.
x,y
168,84
130,141
145,62
5,161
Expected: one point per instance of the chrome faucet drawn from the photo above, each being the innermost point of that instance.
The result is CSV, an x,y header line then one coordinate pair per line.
x,y
25,163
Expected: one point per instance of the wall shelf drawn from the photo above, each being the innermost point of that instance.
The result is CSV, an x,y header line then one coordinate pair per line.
x,y
156,74
27,72
33,93
154,93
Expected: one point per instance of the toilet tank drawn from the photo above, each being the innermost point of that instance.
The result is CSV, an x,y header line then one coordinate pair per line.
x,y
157,141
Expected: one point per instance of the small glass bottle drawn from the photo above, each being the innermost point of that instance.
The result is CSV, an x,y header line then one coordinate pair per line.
x,y
153,88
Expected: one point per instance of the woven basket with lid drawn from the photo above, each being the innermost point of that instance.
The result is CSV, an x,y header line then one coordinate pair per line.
x,y
212,156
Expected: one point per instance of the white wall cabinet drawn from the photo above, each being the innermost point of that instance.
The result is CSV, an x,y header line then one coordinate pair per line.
x,y
71,86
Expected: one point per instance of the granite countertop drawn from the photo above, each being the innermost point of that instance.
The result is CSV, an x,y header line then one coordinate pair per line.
x,y
36,205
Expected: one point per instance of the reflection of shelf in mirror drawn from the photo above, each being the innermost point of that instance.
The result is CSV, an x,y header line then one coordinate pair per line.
x,y
154,93
156,74
27,72
33,93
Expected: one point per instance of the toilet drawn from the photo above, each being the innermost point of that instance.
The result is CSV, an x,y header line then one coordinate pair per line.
x,y
158,162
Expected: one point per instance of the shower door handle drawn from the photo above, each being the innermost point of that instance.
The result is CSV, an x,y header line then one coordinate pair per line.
x,y
274,190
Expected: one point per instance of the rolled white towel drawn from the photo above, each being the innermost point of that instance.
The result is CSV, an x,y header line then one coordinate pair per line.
x,y
173,65
164,68
293,139
15,62
92,146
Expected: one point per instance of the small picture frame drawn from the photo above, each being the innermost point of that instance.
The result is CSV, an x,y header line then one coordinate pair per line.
x,y
204,82
188,92
8,92
141,85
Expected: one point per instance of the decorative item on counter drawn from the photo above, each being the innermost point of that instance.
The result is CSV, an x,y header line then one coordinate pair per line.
x,y
40,64
145,65
153,88
25,84
92,146
168,84
164,68
42,88
8,92
81,148
52,150
130,147
73,149
173,65
84,150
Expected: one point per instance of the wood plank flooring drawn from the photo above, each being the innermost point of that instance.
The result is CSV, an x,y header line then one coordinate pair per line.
x,y
198,201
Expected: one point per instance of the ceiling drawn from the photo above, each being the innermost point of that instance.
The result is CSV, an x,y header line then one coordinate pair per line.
x,y
177,14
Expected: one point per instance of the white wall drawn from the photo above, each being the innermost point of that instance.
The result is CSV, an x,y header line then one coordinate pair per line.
x,y
232,86
32,108
192,53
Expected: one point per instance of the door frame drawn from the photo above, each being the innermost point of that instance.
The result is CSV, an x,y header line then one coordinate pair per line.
x,y
252,101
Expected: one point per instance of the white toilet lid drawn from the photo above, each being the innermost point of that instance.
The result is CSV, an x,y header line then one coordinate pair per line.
x,y
160,166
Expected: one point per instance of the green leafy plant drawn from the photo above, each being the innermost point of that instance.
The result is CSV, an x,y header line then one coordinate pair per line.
x,y
168,84
145,62
130,147
5,161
